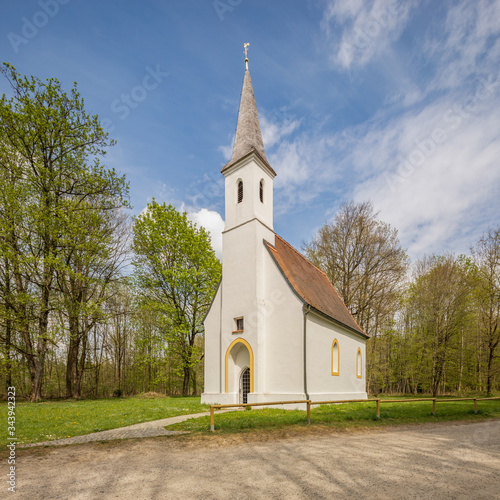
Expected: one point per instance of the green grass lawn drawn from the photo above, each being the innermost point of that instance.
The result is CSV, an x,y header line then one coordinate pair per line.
x,y
50,420
343,416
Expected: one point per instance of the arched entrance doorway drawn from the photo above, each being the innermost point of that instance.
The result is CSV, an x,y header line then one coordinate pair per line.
x,y
239,370
244,385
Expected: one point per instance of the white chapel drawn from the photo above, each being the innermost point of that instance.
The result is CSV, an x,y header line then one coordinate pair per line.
x,y
276,330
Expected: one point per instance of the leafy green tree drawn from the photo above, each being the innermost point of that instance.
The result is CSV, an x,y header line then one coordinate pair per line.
x,y
93,261
14,303
49,148
177,273
486,254
440,304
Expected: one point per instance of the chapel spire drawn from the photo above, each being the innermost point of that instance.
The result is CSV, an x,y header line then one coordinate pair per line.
x,y
248,135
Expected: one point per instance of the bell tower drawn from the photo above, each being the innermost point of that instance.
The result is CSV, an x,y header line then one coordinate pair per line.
x,y
248,224
249,177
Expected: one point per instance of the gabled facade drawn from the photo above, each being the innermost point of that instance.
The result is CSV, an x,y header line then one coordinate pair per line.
x,y
276,330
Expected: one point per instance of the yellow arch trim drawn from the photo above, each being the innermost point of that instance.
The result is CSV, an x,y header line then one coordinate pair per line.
x,y
335,343
247,345
359,368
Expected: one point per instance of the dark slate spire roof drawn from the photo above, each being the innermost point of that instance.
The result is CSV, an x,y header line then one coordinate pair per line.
x,y
248,135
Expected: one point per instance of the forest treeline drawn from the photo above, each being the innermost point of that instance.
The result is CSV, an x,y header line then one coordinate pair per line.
x,y
434,325
95,303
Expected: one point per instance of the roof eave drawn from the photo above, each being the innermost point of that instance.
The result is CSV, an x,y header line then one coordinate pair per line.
x,y
339,323
253,152
321,313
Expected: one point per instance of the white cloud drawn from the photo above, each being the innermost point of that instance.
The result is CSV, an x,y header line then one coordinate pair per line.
x,y
468,46
213,223
274,131
306,167
427,160
431,172
227,149
361,30
436,176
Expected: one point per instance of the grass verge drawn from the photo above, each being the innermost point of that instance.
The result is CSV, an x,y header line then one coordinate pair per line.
x,y
49,420
342,416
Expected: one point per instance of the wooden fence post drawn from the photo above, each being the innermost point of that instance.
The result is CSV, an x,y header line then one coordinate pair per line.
x,y
308,411
212,419
378,408
434,406
475,406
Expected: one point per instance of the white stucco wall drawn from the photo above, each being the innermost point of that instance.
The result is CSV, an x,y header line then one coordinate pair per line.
x,y
321,383
212,347
284,336
243,291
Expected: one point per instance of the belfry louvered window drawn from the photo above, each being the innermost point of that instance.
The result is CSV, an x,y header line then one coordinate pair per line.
x,y
240,191
261,191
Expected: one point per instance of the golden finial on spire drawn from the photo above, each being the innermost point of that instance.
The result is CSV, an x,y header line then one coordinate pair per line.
x,y
246,45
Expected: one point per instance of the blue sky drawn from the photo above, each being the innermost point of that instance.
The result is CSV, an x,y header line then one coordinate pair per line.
x,y
397,102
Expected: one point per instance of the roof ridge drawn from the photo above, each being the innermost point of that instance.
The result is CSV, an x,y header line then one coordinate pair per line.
x,y
306,259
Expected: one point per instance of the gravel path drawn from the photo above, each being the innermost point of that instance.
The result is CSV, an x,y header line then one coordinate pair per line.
x,y
145,429
438,461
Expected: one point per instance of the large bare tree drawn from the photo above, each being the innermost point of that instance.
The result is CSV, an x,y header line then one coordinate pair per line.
x,y
364,260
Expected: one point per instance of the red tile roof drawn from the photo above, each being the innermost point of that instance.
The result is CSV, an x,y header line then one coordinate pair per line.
x,y
311,284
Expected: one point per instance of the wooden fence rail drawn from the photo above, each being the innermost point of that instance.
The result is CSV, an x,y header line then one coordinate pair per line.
x,y
310,403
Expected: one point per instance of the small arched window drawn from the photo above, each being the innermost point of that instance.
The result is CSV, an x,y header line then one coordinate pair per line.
x,y
240,191
335,358
359,364
261,191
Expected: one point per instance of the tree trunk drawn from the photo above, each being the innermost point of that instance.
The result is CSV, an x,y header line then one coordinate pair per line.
x,y
37,380
36,389
77,381
71,361
194,383
490,371
185,383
